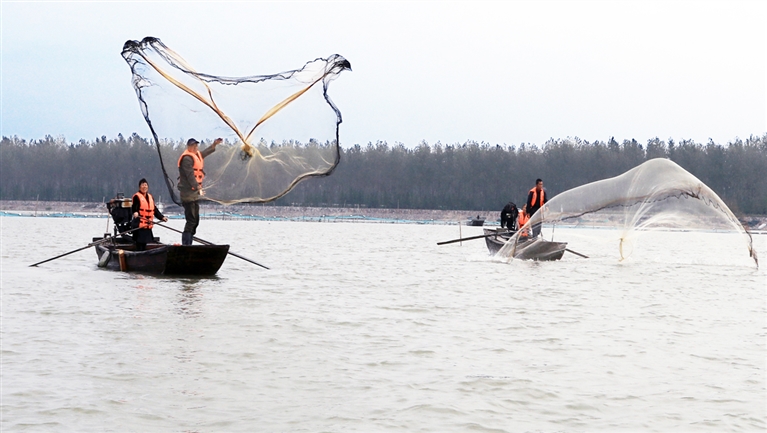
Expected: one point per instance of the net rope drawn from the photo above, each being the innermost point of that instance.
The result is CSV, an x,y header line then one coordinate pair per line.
x,y
278,129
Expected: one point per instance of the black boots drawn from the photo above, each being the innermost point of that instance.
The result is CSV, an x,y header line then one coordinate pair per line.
x,y
186,238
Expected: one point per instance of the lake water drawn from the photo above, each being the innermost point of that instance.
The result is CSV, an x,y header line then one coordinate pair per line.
x,y
373,327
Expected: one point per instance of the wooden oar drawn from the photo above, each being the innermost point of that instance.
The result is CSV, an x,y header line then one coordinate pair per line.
x,y
472,237
80,249
577,254
203,241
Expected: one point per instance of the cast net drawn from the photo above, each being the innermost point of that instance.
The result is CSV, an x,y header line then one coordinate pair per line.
x,y
657,198
278,129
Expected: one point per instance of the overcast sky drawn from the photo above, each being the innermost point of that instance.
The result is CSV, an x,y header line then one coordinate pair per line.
x,y
498,72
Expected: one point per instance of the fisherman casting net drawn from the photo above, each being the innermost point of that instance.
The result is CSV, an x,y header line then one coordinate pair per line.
x,y
656,197
278,129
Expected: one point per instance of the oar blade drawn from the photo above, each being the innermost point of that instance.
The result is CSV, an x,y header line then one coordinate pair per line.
x,y
576,253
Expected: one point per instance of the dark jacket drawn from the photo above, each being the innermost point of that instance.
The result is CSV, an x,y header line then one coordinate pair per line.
x,y
187,184
509,216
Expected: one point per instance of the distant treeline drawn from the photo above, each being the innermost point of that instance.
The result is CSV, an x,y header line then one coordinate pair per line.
x,y
454,176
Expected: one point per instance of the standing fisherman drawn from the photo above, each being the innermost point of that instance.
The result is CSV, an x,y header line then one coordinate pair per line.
x,y
191,175
536,198
144,213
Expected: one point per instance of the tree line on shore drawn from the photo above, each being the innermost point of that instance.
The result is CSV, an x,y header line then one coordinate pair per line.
x,y
471,175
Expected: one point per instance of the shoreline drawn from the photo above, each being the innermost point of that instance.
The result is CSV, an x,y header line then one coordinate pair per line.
x,y
217,211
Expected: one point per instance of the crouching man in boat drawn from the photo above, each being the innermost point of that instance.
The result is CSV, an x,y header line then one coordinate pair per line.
x,y
536,198
191,174
144,213
509,216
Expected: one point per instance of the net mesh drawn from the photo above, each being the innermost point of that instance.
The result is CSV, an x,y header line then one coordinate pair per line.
x,y
655,196
278,129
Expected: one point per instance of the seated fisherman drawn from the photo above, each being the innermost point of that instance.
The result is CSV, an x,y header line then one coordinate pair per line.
x,y
144,213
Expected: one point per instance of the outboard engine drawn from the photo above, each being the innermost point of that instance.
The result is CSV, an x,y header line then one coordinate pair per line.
x,y
120,210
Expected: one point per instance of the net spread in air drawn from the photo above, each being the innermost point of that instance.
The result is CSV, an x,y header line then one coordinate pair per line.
x,y
278,129
657,196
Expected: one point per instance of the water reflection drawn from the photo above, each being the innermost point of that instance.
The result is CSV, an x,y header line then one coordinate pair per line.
x,y
189,298
188,303
144,295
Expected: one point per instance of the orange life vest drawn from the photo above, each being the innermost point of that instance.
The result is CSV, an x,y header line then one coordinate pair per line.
x,y
522,219
535,197
199,173
145,210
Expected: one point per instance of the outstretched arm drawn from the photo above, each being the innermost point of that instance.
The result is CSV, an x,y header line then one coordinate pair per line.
x,y
212,147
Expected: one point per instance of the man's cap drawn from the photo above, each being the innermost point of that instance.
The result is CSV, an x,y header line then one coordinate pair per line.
x,y
192,142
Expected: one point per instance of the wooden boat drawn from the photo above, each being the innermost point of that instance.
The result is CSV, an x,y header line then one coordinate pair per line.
x,y
537,249
158,258
476,222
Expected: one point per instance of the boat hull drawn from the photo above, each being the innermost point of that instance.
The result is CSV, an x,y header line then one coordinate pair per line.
x,y
536,249
162,259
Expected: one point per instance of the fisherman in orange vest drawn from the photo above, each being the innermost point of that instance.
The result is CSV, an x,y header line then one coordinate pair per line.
x,y
536,198
144,213
522,219
191,174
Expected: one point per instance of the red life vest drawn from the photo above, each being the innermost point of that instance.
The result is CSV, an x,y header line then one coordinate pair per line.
x,y
145,210
535,196
199,173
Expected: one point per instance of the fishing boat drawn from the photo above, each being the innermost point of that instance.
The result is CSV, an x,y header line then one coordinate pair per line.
x,y
118,253
476,222
537,249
